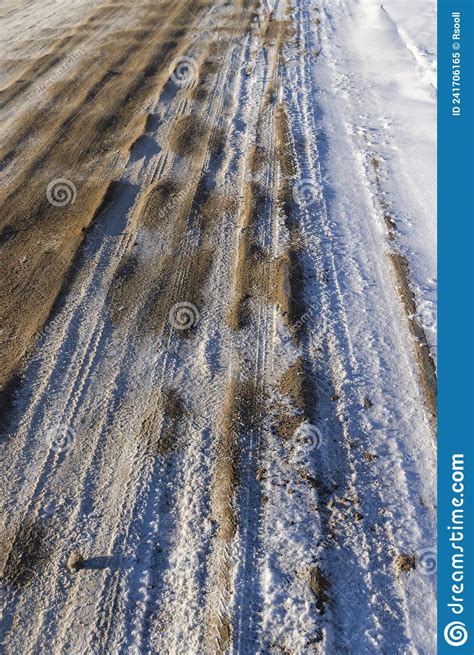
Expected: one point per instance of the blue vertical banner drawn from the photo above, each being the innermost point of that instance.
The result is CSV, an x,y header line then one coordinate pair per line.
x,y
456,327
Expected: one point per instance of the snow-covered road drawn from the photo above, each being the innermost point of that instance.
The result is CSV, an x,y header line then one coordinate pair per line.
x,y
219,327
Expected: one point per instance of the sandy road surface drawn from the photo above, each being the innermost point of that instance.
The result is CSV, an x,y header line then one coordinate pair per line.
x,y
209,388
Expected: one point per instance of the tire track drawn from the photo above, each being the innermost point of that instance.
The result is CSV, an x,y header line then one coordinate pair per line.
x,y
169,374
236,491
33,275
41,65
378,575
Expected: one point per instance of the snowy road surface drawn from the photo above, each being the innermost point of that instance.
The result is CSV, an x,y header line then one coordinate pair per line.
x,y
218,327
